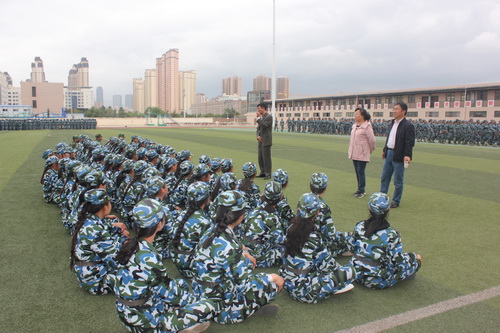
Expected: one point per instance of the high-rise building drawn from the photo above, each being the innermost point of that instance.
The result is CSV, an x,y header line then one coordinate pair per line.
x,y
262,82
187,90
167,71
78,94
78,76
4,87
232,86
282,87
138,90
117,101
99,97
150,88
129,100
37,71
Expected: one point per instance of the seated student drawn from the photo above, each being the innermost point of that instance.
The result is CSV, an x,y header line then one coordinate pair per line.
x,y
378,251
311,273
262,232
226,182
250,190
177,195
133,191
224,268
95,243
147,298
285,213
333,239
189,227
49,178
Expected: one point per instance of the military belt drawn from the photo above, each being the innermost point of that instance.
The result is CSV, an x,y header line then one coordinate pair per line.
x,y
136,302
297,271
207,284
85,263
367,261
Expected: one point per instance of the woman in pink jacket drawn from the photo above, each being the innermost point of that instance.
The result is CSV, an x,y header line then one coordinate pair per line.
x,y
361,146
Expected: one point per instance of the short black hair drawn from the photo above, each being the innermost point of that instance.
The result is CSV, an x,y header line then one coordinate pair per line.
x,y
363,113
403,106
262,105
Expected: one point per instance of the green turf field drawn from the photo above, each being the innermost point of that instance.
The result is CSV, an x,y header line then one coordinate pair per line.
x,y
449,214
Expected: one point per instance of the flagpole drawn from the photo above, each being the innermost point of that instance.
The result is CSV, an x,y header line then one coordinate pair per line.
x,y
273,82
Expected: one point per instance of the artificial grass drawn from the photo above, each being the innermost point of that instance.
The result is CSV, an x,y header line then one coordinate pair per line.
x,y
448,215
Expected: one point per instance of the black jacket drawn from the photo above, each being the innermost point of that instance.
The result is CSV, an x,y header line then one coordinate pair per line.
x,y
405,140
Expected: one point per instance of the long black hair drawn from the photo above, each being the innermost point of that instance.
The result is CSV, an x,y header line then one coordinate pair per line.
x,y
223,218
298,234
376,223
192,207
131,245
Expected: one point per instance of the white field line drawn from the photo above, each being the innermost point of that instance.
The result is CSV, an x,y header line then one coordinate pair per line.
x,y
431,310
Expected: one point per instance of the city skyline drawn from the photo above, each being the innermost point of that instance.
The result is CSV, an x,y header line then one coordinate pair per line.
x,y
324,47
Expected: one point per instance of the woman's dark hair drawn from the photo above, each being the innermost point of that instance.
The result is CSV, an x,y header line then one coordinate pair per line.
x,y
270,204
178,170
122,175
315,190
215,191
131,245
245,185
297,235
44,172
179,180
376,223
137,178
192,207
366,116
223,218
86,211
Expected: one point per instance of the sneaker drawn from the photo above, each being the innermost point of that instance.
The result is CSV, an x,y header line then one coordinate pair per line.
x,y
267,310
360,195
201,327
350,286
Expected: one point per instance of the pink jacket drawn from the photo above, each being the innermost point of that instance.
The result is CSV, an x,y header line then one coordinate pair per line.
x,y
362,142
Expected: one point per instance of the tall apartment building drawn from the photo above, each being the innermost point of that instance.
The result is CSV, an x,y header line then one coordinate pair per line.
x,y
187,90
232,86
117,101
167,71
282,87
138,91
150,89
78,94
262,82
99,97
41,95
4,87
129,101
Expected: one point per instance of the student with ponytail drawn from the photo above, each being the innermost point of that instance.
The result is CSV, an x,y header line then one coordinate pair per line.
x,y
224,268
189,227
49,178
177,194
378,250
262,233
95,243
147,298
247,186
311,273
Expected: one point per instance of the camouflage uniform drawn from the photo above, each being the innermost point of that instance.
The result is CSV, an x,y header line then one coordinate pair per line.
x,y
168,306
333,239
97,244
262,234
379,260
225,276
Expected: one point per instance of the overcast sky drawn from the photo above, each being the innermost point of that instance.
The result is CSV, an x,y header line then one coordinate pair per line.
x,y
323,46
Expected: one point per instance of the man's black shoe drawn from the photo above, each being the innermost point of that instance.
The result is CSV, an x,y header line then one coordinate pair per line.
x,y
394,204
260,176
267,177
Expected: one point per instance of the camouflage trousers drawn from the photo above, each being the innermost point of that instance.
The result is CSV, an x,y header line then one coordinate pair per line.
x,y
96,280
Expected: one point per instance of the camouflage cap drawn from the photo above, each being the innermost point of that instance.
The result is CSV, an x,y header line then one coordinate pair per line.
x,y
141,152
130,151
183,155
148,213
228,181
186,168
308,205
128,165
215,163
82,171
108,159
96,196
168,162
272,191
94,178
154,185
379,203
151,154
319,180
118,159
47,153
63,162
198,191
226,164
204,159
280,176
249,169
51,160
121,135
72,164
201,170
233,200
140,167
61,145
75,137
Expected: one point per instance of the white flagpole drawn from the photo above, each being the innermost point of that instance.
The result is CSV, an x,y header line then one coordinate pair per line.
x,y
273,82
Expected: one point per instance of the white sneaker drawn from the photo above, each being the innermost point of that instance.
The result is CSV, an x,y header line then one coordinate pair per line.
x,y
198,328
345,289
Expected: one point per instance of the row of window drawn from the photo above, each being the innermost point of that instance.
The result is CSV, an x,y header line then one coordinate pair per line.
x,y
409,114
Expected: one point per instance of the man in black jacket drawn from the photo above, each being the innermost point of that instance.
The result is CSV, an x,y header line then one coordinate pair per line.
x,y
397,152
265,140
